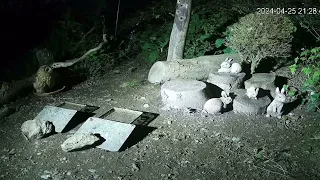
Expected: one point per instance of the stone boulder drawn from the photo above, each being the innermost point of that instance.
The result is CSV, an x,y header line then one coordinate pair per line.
x,y
79,141
36,129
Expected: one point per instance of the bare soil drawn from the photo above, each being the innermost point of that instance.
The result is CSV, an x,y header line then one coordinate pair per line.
x,y
184,145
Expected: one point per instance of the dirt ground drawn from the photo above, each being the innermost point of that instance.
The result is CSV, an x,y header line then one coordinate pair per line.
x,y
183,146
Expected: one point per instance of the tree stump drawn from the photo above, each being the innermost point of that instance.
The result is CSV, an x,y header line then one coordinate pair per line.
x,y
242,104
183,93
226,81
264,81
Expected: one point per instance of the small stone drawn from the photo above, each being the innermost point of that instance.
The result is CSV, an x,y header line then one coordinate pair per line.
x,y
235,139
12,152
47,176
69,173
92,170
116,71
142,98
132,69
170,122
146,105
135,167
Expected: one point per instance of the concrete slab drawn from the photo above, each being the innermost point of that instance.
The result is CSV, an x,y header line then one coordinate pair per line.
x,y
122,115
114,133
59,117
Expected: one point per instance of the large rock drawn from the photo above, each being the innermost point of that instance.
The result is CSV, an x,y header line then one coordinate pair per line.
x,y
242,104
36,128
264,81
79,141
226,81
183,93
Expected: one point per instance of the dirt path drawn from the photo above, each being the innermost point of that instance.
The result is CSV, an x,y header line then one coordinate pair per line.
x,y
184,145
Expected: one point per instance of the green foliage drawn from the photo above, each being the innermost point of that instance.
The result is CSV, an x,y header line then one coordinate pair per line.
x,y
96,64
222,41
198,37
289,90
257,36
66,33
70,39
309,63
154,42
203,29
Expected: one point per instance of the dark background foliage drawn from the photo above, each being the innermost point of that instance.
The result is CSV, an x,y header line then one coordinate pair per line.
x,y
26,24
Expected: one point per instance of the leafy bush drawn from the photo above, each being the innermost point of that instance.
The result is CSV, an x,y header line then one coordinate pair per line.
x,y
220,42
205,25
198,36
66,33
257,36
96,64
71,39
309,64
153,42
154,47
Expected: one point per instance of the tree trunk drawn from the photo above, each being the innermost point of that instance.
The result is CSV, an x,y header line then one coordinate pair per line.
x,y
198,68
179,30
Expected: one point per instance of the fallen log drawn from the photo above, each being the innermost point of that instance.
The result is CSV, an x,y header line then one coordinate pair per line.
x,y
196,68
19,89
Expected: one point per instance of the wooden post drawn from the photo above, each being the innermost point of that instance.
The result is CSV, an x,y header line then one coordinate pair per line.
x,y
179,30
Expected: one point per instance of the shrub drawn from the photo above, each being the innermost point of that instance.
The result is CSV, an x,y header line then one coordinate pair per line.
x,y
205,26
257,36
153,42
309,64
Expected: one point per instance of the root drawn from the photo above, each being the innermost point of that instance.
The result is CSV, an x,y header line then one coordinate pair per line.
x,y
51,93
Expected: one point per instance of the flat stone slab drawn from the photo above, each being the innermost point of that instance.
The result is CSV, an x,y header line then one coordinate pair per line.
x,y
122,115
184,93
242,104
114,133
224,80
62,115
264,81
58,116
